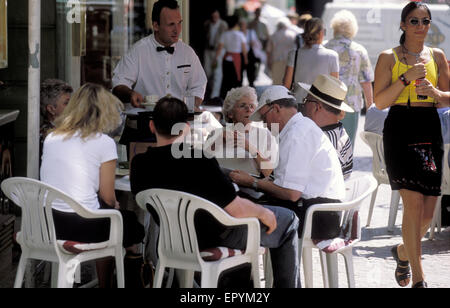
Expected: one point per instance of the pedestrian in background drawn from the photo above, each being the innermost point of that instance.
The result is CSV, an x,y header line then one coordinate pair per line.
x,y
235,58
280,43
306,63
214,27
355,69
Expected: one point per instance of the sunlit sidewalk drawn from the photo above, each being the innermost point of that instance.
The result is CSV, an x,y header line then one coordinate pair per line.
x,y
373,264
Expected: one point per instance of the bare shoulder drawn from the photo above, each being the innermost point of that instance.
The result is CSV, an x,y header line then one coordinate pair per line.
x,y
386,57
439,55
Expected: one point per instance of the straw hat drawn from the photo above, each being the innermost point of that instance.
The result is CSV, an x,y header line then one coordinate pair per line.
x,y
329,90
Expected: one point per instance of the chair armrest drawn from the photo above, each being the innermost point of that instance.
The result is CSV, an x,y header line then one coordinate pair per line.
x,y
116,226
253,232
252,223
322,207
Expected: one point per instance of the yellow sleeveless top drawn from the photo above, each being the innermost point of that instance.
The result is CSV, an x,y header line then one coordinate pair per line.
x,y
409,91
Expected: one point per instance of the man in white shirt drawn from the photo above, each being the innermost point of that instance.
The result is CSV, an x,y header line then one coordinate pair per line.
x,y
260,28
214,27
280,43
308,172
160,64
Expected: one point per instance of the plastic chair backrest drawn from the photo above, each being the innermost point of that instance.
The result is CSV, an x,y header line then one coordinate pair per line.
x,y
375,142
35,199
176,212
356,190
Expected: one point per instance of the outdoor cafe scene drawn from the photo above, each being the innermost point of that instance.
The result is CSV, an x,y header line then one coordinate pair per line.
x,y
224,144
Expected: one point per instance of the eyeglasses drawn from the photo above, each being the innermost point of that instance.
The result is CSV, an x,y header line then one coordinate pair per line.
x,y
263,116
305,100
244,106
416,21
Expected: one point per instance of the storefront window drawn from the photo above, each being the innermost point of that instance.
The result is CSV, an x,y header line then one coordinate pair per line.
x,y
94,34
3,35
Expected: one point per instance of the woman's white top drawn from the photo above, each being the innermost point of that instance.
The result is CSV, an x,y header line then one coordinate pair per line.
x,y
232,41
73,166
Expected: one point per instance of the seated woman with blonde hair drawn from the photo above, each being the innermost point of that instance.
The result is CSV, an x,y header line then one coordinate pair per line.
x,y
80,159
241,133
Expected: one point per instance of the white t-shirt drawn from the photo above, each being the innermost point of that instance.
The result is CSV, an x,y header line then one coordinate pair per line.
x,y
159,73
73,166
282,41
308,161
232,42
311,62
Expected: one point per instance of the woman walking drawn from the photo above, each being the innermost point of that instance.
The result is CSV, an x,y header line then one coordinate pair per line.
x,y
412,133
306,63
233,41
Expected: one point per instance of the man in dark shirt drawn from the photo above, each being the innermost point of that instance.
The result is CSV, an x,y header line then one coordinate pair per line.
x,y
172,165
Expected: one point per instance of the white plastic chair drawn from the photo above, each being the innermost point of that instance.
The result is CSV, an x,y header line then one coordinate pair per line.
x,y
357,189
37,237
375,142
445,190
178,246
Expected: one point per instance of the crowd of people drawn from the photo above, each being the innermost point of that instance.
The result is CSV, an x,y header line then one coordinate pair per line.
x,y
305,125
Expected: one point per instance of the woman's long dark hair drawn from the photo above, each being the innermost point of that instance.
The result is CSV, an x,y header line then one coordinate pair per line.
x,y
408,9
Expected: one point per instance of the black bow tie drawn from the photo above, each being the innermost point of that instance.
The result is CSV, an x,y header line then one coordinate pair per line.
x,y
168,49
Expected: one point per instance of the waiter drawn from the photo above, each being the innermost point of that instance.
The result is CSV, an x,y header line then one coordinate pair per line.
x,y
160,64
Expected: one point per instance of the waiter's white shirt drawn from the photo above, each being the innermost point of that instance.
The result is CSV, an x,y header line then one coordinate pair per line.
x,y
308,161
150,72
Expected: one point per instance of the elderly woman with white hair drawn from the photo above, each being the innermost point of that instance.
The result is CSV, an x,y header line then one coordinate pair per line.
x,y
355,69
241,132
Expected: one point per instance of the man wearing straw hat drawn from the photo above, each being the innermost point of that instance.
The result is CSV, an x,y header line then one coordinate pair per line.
x,y
308,171
327,113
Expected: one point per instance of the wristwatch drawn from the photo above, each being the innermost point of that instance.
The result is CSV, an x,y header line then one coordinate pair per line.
x,y
255,184
404,81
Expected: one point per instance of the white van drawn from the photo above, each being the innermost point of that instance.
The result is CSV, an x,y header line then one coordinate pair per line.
x,y
379,25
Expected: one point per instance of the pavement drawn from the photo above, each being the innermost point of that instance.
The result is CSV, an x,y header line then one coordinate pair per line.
x,y
372,260
373,264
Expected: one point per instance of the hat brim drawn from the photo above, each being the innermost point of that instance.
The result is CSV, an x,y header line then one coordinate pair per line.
x,y
256,116
343,107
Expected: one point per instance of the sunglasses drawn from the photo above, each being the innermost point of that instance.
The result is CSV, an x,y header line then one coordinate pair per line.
x,y
416,21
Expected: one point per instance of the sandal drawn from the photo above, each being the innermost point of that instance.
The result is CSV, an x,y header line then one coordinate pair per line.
x,y
403,271
420,285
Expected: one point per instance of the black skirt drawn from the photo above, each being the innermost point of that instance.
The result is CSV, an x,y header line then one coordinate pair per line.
x,y
71,226
413,149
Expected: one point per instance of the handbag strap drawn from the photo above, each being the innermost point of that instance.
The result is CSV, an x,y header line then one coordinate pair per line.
x,y
295,68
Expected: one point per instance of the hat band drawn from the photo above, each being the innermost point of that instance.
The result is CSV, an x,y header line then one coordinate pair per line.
x,y
325,97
